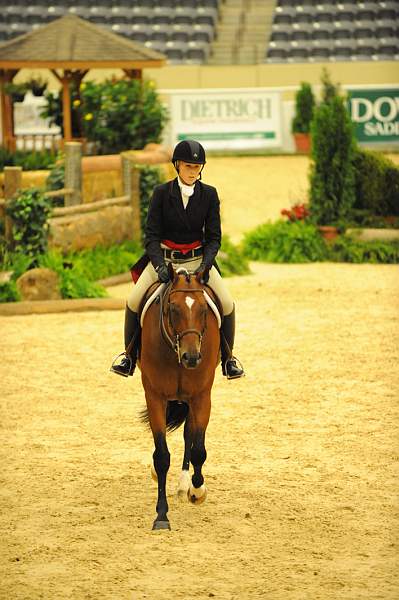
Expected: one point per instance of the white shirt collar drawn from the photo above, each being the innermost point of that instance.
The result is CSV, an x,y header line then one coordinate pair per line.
x,y
186,190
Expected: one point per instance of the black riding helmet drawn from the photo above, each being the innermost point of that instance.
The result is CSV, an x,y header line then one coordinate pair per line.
x,y
189,151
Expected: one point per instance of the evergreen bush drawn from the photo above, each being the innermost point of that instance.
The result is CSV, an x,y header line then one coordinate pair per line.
x,y
29,211
332,177
304,106
376,183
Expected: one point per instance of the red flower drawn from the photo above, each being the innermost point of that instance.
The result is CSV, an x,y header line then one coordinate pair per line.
x,y
298,212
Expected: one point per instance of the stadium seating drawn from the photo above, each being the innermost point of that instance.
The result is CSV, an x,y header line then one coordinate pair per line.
x,y
183,31
322,30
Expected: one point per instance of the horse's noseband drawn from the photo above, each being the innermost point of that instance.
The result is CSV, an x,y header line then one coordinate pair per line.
x,y
175,344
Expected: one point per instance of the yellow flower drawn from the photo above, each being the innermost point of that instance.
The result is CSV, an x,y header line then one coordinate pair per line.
x,y
82,86
151,83
76,102
88,117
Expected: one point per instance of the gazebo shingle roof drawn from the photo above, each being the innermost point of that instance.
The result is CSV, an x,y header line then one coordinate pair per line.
x,y
73,40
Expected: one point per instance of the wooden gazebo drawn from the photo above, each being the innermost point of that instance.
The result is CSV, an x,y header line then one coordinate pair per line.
x,y
69,47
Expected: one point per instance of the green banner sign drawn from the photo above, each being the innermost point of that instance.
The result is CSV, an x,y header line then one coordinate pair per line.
x,y
375,114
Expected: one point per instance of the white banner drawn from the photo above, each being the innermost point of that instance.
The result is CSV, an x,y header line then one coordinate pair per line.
x,y
233,119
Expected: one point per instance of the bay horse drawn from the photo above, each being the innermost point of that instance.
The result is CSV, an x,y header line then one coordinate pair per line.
x,y
180,343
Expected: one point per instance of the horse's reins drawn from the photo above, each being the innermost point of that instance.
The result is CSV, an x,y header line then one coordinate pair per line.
x,y
175,344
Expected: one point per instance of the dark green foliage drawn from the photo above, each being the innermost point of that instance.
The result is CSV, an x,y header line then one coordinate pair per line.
x,y
9,292
295,242
99,263
231,259
377,183
29,211
149,178
332,178
285,242
56,180
330,90
304,106
53,111
121,115
346,249
73,282
29,161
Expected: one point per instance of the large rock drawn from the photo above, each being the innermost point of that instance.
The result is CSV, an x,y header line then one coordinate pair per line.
x,y
39,284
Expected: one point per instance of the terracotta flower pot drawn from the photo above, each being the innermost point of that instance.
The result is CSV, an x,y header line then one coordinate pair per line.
x,y
302,142
328,232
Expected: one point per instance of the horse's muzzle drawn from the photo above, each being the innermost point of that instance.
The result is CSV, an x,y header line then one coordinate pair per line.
x,y
191,360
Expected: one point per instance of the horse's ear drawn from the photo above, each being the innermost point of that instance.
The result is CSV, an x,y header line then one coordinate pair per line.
x,y
171,271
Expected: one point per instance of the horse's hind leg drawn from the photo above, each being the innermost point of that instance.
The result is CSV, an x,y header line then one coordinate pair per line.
x,y
161,456
200,411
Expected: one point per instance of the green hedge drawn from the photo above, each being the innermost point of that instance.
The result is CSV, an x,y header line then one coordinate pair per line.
x,y
285,242
300,242
376,182
29,161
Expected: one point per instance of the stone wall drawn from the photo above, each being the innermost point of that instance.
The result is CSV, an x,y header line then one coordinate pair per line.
x,y
107,225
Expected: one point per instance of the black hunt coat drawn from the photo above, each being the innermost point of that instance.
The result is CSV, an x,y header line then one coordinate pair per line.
x,y
168,220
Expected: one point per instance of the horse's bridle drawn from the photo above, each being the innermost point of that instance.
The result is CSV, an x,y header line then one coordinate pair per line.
x,y
175,343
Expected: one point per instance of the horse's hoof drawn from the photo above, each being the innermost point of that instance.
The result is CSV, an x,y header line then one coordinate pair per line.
x,y
154,475
184,485
160,525
197,495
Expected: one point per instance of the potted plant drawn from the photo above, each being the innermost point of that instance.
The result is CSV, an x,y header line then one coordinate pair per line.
x,y
37,85
332,175
17,91
304,106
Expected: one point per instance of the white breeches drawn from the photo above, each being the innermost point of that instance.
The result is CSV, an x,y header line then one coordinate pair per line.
x,y
149,276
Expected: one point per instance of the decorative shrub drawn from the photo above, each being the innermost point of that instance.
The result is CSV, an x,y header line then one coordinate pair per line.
x,y
285,242
56,180
53,111
231,259
346,249
99,263
377,183
304,106
73,282
149,178
9,292
29,211
332,177
29,161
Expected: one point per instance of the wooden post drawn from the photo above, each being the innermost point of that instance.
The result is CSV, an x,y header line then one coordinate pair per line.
x,y
66,107
12,183
73,172
131,184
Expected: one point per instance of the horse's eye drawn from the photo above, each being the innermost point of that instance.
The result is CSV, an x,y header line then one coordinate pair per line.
x,y
174,309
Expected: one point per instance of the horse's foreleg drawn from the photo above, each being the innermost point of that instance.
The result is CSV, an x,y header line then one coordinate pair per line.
x,y
201,411
184,482
161,457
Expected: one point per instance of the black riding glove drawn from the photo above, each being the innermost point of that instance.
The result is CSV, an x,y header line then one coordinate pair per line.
x,y
163,273
204,269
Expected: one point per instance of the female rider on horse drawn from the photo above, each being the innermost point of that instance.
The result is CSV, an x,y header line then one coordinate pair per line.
x,y
183,227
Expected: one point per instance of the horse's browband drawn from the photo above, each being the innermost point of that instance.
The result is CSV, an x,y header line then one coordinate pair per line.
x,y
188,290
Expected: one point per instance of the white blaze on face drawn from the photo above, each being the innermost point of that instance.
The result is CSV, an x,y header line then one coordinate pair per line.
x,y
189,302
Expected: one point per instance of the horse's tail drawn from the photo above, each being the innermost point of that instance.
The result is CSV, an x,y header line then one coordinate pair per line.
x,y
176,414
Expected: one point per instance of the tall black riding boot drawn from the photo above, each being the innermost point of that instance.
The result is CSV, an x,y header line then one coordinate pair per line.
x,y
230,368
132,339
